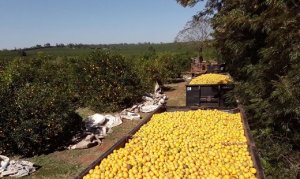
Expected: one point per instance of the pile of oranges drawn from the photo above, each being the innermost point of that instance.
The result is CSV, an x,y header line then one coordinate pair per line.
x,y
211,78
192,144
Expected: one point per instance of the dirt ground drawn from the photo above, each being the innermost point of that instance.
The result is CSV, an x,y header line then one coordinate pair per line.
x,y
69,163
176,94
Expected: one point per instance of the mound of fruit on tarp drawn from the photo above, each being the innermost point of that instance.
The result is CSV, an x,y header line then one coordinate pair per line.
x,y
193,144
211,78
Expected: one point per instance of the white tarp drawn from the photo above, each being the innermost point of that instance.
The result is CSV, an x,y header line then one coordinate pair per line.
x,y
94,120
15,168
112,121
131,116
100,120
4,161
149,108
150,103
97,127
89,141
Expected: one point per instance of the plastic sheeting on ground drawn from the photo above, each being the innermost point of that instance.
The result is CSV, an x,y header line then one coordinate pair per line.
x,y
97,126
15,168
130,116
90,140
150,103
113,121
100,120
148,108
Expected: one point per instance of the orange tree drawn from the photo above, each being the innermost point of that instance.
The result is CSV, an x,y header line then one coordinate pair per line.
x,y
37,113
161,67
106,82
39,96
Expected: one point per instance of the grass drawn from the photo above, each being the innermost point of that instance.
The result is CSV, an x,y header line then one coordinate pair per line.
x,y
54,166
69,163
176,94
85,112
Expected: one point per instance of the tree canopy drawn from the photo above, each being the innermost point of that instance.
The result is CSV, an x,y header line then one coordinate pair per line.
x,y
259,41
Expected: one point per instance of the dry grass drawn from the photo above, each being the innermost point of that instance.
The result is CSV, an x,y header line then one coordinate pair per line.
x,y
176,94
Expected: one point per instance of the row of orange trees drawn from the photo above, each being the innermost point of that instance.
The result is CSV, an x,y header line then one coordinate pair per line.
x,y
39,96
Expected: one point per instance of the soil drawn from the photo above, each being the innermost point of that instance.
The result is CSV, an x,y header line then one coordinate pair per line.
x,y
176,94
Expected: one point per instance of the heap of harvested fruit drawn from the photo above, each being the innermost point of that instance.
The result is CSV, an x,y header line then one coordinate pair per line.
x,y
192,144
211,78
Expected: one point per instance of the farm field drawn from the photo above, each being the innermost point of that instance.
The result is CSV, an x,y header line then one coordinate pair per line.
x,y
128,50
107,57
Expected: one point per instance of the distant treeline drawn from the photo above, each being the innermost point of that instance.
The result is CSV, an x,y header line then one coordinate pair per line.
x,y
128,50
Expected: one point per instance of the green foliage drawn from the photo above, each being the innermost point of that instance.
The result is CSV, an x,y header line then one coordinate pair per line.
x,y
83,51
265,60
36,109
150,53
106,82
160,67
172,65
259,41
39,97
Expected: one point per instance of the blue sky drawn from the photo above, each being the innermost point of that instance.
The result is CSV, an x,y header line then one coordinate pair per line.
x,y
25,23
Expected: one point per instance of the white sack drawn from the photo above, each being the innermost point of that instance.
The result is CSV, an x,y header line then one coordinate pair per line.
x,y
147,98
113,121
4,162
15,168
131,116
149,108
94,120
